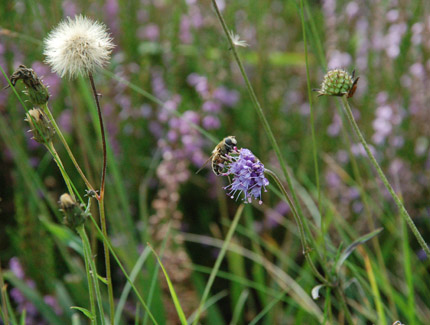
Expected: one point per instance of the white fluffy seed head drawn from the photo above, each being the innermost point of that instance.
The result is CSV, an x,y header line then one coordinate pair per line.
x,y
78,47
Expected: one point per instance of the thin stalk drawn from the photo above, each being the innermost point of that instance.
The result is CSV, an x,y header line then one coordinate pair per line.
x,y
87,257
257,107
69,152
54,153
93,272
312,117
218,263
101,200
298,219
108,244
381,174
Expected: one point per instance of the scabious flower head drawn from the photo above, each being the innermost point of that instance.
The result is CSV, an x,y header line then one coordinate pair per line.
x,y
248,176
78,47
338,82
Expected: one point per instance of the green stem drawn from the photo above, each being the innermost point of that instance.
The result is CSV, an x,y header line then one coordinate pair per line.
x,y
54,153
257,107
87,257
381,174
218,263
69,152
299,222
312,118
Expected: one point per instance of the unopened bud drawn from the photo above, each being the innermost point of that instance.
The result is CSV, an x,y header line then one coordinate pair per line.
x,y
338,82
40,125
74,215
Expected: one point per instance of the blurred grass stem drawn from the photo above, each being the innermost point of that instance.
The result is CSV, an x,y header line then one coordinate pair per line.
x,y
381,174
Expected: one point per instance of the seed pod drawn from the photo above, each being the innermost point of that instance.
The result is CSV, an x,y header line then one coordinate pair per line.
x,y
36,90
338,82
40,125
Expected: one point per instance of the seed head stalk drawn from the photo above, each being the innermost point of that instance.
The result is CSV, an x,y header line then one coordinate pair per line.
x,y
381,174
100,199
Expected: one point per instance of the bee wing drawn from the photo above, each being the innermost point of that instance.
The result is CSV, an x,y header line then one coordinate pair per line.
x,y
206,162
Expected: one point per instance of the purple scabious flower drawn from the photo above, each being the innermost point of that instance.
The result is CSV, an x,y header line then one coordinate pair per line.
x,y
248,176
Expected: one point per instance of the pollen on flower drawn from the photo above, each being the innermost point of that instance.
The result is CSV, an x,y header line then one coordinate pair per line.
x,y
248,177
78,47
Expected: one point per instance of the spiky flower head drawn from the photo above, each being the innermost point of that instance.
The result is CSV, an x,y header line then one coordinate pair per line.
x,y
74,215
338,82
248,176
40,125
78,46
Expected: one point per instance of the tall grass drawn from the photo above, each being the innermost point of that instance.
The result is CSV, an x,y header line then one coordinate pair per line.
x,y
175,87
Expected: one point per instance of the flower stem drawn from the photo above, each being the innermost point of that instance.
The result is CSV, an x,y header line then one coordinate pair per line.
x,y
299,222
101,201
381,174
69,152
257,107
54,153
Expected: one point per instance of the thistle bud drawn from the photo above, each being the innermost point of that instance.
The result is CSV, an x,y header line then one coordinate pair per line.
x,y
36,90
74,215
338,82
40,125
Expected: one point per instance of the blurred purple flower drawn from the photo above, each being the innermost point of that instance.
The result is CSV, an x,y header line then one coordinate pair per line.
x,y
69,8
211,122
65,121
52,80
226,97
211,107
150,32
248,176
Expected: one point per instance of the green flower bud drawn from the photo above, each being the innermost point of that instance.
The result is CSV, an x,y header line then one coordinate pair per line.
x,y
338,82
40,125
74,215
36,90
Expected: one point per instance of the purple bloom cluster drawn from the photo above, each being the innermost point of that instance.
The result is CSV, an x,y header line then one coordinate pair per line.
x,y
32,314
248,176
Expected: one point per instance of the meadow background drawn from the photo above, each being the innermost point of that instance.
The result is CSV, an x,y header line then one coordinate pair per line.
x,y
172,69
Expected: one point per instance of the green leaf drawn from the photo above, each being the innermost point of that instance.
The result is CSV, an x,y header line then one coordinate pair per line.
x,y
84,311
102,279
175,299
345,254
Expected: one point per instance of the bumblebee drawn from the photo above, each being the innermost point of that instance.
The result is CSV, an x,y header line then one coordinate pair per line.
x,y
218,157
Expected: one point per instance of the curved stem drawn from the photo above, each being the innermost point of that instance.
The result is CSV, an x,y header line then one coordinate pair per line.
x,y
258,108
299,222
102,131
101,201
381,174
69,152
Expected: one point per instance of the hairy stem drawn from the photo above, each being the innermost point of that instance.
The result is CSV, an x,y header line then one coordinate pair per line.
x,y
384,179
54,153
